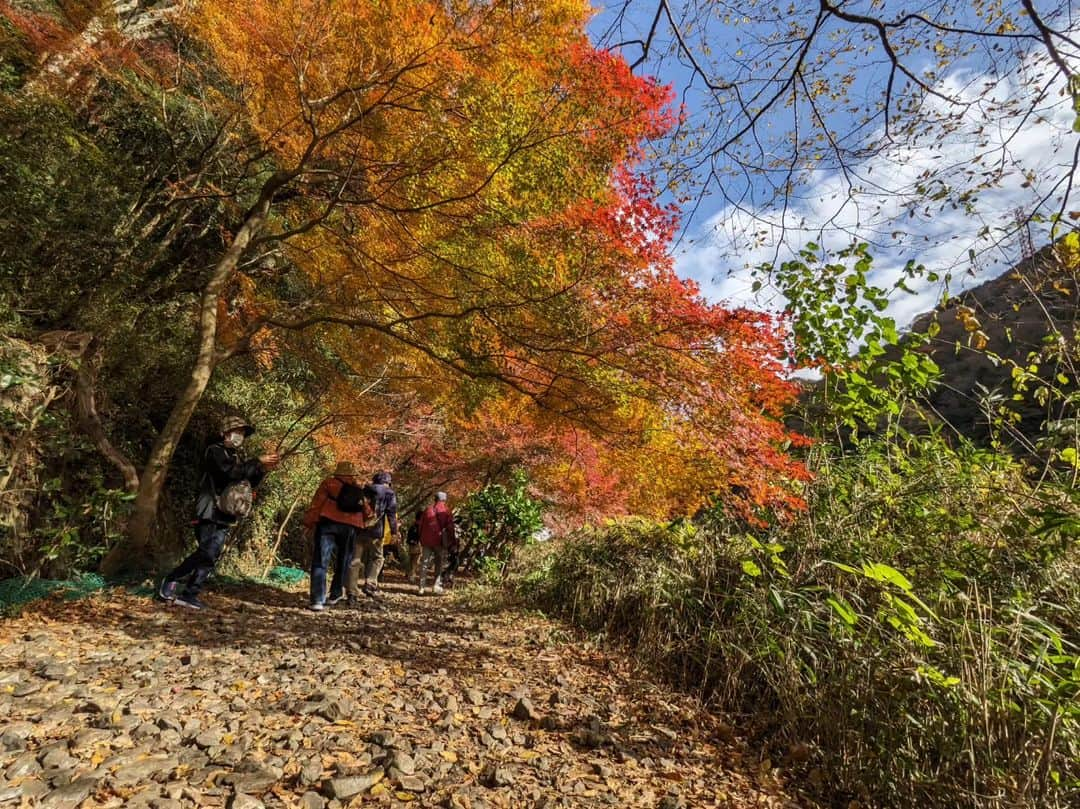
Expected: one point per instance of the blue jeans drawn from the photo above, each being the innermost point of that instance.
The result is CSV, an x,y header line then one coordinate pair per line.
x,y
210,538
336,538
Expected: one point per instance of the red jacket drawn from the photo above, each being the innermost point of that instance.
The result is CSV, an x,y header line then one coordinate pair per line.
x,y
437,527
323,506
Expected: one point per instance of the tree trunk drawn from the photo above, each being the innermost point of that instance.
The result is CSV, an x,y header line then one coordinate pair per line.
x,y
132,552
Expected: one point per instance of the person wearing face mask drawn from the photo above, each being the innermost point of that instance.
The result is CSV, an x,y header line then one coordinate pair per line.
x,y
223,467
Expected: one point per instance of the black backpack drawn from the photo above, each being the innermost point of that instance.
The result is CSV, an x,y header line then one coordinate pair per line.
x,y
351,498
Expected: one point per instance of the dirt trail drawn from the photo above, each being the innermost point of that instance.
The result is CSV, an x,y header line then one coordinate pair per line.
x,y
118,700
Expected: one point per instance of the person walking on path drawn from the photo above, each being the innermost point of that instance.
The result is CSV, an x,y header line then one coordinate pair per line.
x,y
436,536
453,555
394,548
412,544
370,540
332,520
225,496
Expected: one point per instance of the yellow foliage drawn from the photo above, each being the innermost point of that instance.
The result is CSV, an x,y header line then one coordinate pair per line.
x,y
1067,251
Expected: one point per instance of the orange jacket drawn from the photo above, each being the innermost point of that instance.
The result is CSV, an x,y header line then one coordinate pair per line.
x,y
323,506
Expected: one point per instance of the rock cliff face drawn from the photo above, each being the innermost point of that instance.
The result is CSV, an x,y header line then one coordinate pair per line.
x,y
980,334
127,19
1014,317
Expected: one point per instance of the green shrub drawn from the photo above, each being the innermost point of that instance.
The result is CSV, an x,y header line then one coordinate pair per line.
x,y
495,520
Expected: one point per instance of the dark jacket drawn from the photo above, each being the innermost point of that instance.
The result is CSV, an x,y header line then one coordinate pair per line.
x,y
222,466
385,506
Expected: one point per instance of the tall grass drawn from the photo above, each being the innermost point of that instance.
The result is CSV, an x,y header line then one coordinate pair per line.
x,y
915,631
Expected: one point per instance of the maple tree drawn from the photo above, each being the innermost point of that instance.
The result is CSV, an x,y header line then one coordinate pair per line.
x,y
669,401
438,203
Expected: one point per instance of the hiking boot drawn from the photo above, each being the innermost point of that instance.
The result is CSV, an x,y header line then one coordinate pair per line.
x,y
316,607
352,601
332,601
191,602
370,591
167,590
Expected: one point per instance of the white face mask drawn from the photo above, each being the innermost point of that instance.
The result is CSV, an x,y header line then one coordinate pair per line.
x,y
234,439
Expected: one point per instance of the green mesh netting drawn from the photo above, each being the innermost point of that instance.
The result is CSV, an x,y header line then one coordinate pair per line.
x,y
286,575
23,590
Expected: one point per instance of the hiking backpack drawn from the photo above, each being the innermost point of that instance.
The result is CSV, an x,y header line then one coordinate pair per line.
x,y
370,514
354,499
350,499
237,499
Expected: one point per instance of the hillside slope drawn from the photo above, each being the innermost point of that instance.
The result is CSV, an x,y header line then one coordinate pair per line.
x,y
1016,314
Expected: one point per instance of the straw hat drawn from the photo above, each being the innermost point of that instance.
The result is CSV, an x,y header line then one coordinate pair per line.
x,y
345,469
230,423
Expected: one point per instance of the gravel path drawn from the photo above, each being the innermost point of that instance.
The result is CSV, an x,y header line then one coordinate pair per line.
x,y
118,700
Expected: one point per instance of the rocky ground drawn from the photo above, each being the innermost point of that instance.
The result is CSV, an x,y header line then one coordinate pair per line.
x,y
117,700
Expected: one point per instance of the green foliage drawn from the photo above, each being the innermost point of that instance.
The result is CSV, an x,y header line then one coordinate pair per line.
x,y
839,326
77,513
16,58
496,519
916,628
59,506
75,525
832,305
65,195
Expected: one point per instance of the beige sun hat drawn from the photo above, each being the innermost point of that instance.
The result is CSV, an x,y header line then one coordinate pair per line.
x,y
230,423
345,469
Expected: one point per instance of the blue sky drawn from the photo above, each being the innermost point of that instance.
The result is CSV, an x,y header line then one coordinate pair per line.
x,y
725,236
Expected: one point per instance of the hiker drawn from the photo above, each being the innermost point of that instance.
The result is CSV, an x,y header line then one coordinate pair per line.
x,y
436,536
412,545
370,540
226,490
394,546
335,516
453,555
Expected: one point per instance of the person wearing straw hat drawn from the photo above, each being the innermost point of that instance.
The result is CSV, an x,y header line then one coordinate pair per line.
x,y
337,512
225,496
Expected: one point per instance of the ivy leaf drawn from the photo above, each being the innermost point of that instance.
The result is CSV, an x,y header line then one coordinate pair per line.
x,y
841,607
750,568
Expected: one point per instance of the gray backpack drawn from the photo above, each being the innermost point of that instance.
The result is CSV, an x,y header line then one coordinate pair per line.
x,y
236,500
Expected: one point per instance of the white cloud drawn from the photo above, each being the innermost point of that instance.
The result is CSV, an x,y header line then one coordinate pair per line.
x,y
1036,157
